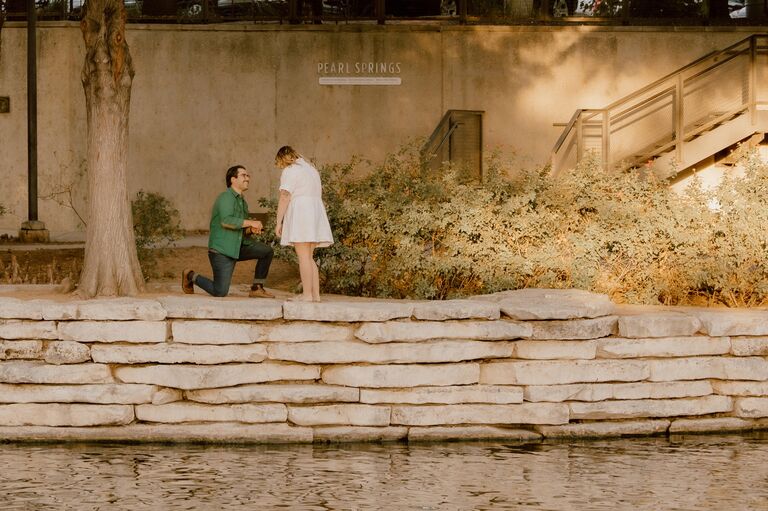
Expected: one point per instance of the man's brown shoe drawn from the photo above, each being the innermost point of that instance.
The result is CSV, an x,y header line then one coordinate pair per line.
x,y
258,291
186,283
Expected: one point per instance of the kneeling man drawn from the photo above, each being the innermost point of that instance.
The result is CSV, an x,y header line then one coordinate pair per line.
x,y
229,242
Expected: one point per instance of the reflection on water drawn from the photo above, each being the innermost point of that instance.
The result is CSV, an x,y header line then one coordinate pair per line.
x,y
690,473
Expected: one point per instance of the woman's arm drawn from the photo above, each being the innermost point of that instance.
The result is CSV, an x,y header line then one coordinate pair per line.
x,y
282,205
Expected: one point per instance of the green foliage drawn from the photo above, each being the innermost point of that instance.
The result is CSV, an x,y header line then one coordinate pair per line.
x,y
644,9
156,224
406,231
3,211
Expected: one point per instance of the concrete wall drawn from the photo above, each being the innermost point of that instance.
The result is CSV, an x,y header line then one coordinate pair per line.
x,y
518,365
205,97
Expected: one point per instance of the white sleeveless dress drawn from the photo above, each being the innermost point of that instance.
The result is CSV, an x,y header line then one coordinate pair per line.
x,y
305,219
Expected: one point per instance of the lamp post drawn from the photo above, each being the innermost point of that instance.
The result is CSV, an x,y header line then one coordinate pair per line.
x,y
32,230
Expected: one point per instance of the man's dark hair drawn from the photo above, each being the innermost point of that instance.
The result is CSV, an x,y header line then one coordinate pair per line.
x,y
232,173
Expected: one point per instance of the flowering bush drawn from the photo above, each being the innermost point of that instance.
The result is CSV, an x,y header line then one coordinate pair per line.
x,y
409,232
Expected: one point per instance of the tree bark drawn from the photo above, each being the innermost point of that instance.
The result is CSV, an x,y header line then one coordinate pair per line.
x,y
111,266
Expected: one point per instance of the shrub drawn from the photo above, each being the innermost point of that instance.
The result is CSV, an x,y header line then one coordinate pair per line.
x,y
156,224
406,231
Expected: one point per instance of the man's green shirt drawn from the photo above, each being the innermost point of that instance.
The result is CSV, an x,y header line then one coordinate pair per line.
x,y
226,235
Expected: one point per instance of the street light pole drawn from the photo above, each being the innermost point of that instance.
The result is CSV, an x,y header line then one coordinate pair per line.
x,y
32,229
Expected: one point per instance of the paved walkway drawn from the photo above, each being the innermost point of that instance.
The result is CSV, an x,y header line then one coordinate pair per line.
x,y
198,240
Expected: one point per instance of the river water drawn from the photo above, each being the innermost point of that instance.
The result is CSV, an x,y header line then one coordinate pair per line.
x,y
680,473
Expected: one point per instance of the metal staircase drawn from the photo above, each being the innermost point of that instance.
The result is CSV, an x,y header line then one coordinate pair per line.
x,y
678,121
458,138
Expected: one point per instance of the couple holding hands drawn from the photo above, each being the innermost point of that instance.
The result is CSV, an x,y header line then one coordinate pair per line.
x,y
301,222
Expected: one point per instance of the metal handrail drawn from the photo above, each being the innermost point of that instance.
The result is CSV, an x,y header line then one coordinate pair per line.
x,y
431,146
674,87
567,130
675,74
431,153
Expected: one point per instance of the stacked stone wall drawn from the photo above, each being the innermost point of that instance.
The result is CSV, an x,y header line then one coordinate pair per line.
x,y
522,365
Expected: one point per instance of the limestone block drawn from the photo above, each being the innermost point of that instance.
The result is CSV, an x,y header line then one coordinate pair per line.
x,y
555,372
632,409
121,394
307,331
700,368
349,311
732,322
618,347
543,304
751,407
605,391
215,332
113,331
441,310
115,309
66,352
16,350
280,393
527,413
164,395
575,328
345,352
402,375
553,350
749,346
177,354
710,425
741,388
658,324
605,429
21,329
55,414
333,434
410,331
207,307
339,415
13,308
40,372
443,433
188,377
173,413
211,433
446,395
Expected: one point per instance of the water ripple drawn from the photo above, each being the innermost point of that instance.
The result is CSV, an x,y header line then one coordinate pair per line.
x,y
684,473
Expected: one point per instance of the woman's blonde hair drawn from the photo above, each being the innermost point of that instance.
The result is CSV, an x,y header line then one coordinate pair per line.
x,y
286,155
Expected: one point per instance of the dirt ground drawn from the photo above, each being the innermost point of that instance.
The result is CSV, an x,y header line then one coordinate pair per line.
x,y
51,265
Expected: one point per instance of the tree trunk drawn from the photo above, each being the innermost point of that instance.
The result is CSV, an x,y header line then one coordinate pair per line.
x,y
111,266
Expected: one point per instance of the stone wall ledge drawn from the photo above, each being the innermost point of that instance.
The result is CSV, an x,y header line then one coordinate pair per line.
x,y
518,366
224,433
525,304
716,425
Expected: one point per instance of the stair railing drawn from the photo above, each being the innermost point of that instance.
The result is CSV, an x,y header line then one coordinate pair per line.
x,y
665,115
458,138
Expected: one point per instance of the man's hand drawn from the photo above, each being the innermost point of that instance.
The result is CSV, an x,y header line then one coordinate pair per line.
x,y
252,227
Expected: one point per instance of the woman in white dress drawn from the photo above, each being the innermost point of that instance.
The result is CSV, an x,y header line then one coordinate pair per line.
x,y
301,217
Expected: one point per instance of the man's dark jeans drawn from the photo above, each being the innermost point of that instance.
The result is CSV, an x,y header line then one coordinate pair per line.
x,y
223,267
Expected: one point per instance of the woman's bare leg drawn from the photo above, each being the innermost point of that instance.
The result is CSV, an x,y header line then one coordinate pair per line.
x,y
315,276
307,270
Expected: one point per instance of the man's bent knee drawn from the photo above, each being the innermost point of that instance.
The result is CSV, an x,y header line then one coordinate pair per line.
x,y
220,291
